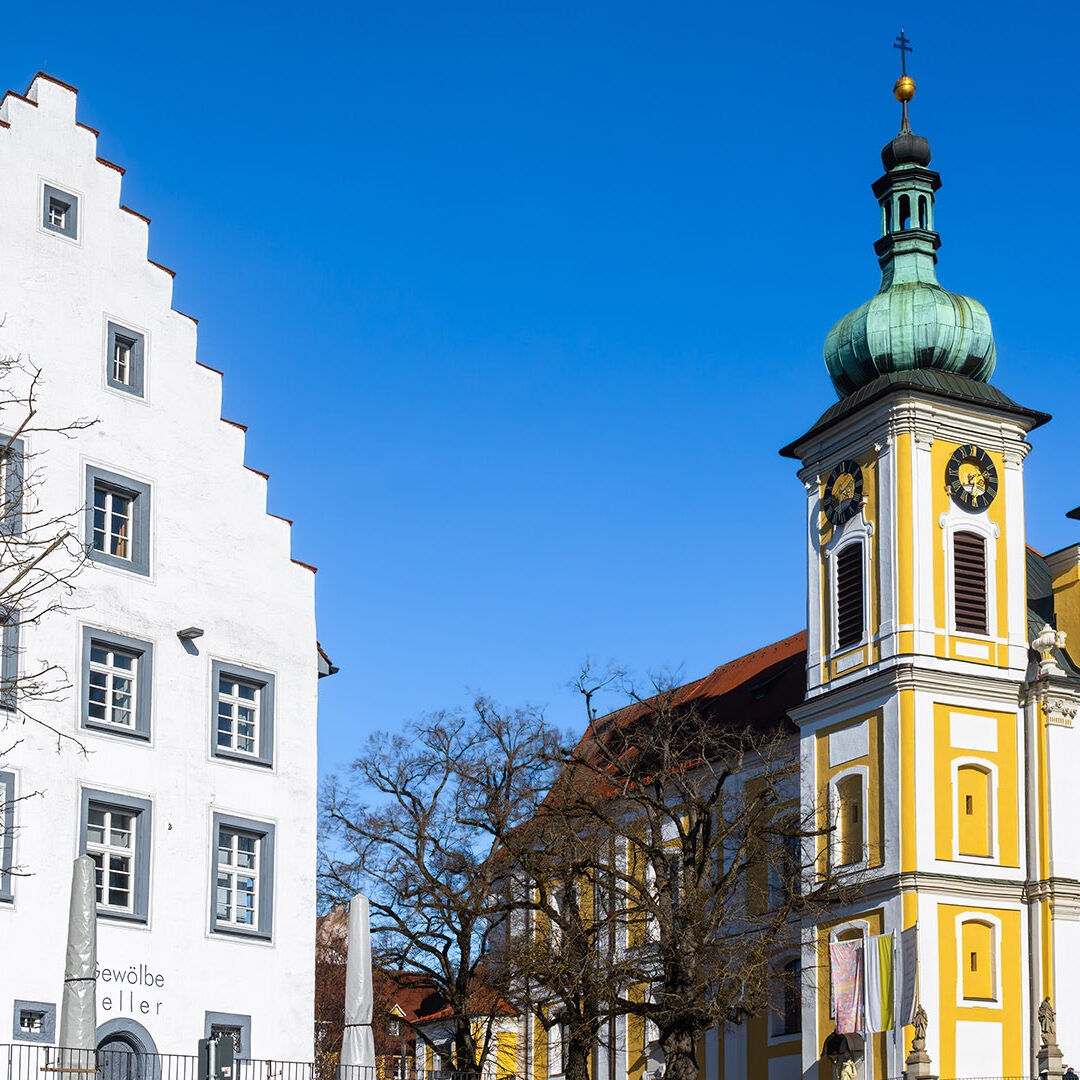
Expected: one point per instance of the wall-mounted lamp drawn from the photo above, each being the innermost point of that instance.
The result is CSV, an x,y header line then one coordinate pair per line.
x,y
189,633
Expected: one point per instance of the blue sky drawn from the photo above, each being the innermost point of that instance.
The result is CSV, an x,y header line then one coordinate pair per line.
x,y
520,300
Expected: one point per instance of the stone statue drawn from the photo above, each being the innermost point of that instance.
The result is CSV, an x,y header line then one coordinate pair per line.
x,y
1047,1023
920,1022
848,1071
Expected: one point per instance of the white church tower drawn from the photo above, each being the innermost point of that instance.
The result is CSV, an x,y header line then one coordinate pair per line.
x,y
196,794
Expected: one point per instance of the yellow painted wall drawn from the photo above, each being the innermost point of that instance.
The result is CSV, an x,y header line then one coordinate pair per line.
x,y
540,1049
945,795
874,795
1009,1014
505,1054
905,547
940,453
1067,604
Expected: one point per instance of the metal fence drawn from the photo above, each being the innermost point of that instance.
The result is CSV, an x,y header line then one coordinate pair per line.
x,y
38,1062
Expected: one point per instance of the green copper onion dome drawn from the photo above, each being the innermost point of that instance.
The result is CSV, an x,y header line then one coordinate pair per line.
x,y
912,322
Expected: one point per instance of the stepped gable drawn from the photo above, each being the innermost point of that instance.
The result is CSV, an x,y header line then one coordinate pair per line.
x,y
50,100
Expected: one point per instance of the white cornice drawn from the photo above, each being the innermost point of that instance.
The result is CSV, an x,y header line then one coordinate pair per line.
x,y
924,416
890,676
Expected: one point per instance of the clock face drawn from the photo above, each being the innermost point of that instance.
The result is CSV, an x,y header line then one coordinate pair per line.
x,y
843,492
971,478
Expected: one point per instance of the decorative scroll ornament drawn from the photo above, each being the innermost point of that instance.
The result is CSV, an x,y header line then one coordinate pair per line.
x,y
1059,711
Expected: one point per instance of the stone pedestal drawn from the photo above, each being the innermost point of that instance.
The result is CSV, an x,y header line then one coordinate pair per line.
x,y
918,1066
1050,1063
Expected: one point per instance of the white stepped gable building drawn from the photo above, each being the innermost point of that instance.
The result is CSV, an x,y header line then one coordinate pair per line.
x,y
198,788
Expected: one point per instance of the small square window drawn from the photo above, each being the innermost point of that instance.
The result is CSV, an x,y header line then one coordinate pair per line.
x,y
34,1021
242,897
243,720
124,362
233,1026
117,521
116,683
60,212
116,835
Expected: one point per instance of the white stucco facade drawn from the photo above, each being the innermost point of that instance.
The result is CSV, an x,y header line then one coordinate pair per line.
x,y
216,560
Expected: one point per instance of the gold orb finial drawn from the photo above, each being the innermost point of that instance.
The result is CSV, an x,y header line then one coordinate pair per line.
x,y
904,89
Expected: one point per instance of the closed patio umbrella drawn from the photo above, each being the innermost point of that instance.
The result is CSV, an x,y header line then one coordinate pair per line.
x,y
358,1043
78,1007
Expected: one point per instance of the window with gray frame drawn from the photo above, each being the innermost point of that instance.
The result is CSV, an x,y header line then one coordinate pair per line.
x,y
12,471
117,520
242,900
124,363
243,719
117,680
60,212
115,833
7,836
34,1021
9,659
235,1026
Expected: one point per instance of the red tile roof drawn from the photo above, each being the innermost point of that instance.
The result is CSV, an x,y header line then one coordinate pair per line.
x,y
752,692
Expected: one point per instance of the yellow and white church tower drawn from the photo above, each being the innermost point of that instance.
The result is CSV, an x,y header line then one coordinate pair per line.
x,y
937,729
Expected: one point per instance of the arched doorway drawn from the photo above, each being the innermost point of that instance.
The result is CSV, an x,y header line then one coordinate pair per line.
x,y
126,1051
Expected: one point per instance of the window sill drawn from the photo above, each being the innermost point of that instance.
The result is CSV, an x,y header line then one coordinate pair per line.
x,y
785,1037
101,727
103,558
239,933
136,918
237,757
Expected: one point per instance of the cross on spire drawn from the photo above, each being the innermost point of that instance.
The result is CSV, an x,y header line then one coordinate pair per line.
x,y
904,47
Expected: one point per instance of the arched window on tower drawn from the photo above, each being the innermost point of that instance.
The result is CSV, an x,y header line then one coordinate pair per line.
x,y
924,220
974,812
850,811
978,959
904,212
849,595
969,582
887,219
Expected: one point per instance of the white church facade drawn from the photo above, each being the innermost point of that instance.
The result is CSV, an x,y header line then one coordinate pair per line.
x,y
183,757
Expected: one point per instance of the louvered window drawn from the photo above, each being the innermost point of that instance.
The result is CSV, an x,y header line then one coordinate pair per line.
x,y
849,596
969,582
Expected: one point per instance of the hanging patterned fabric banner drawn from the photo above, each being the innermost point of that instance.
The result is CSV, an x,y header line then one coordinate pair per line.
x,y
909,974
846,966
878,962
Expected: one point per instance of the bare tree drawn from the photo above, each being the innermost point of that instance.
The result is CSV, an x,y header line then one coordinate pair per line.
x,y
554,960
710,862
41,554
400,828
